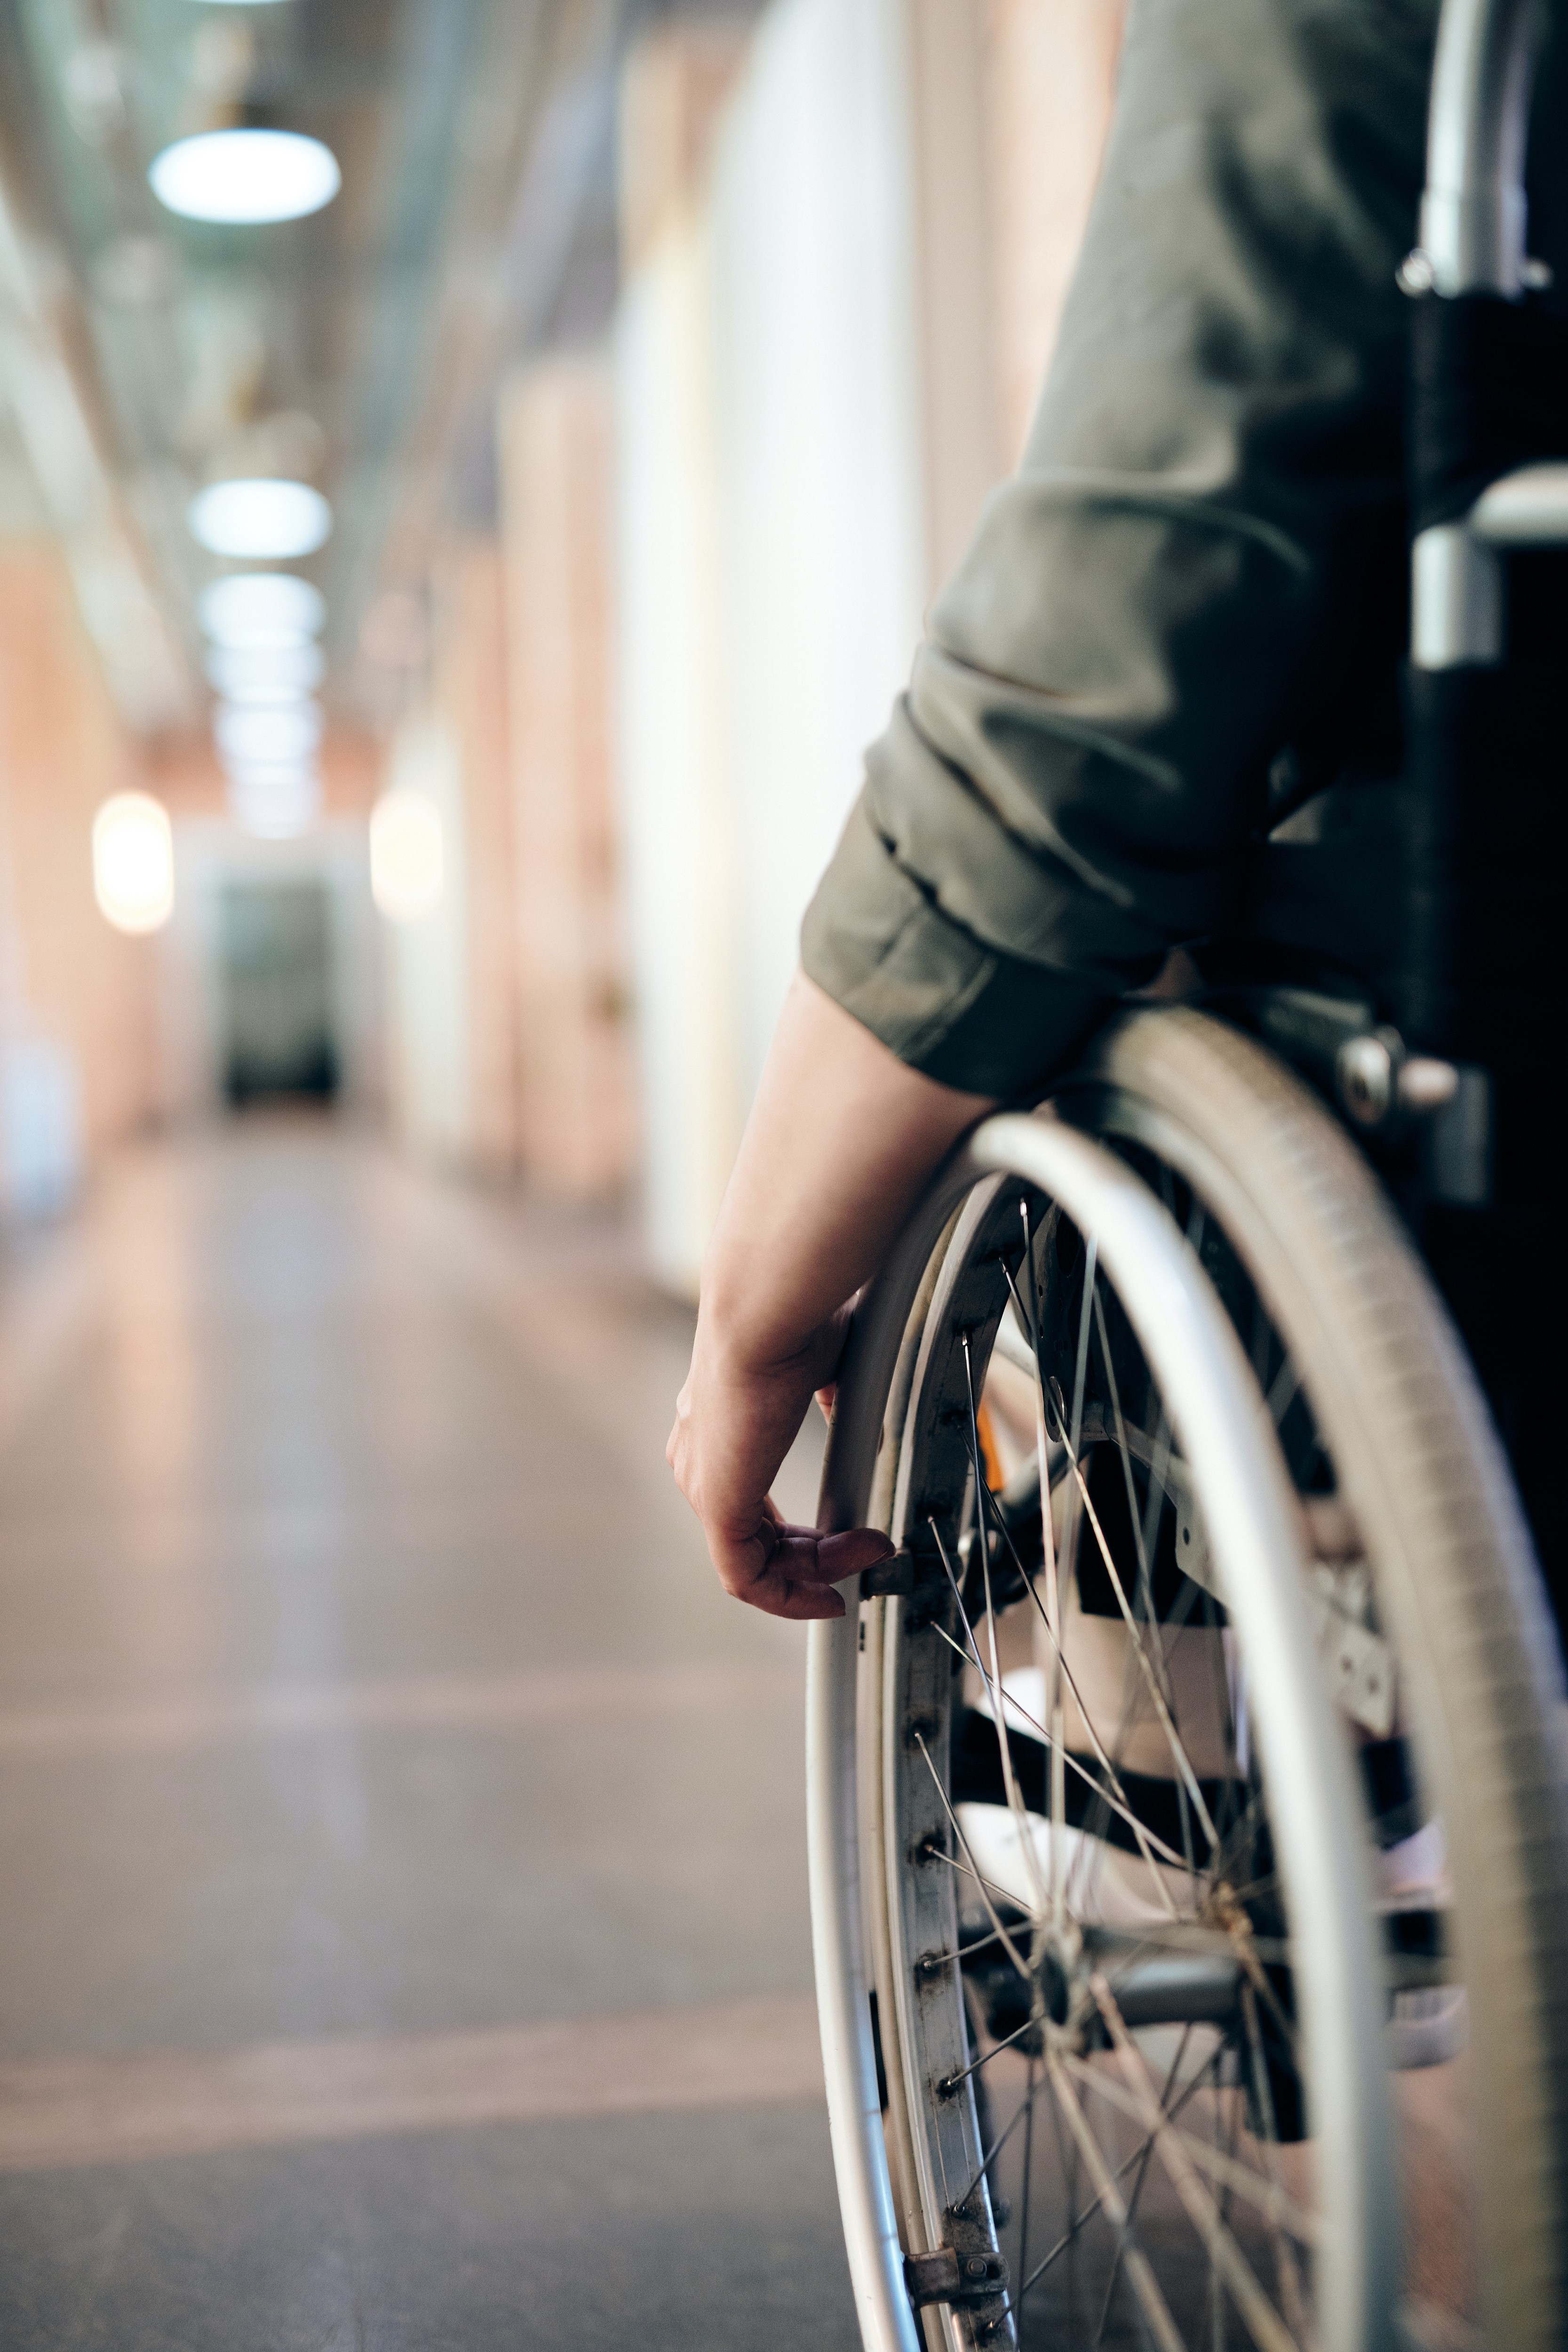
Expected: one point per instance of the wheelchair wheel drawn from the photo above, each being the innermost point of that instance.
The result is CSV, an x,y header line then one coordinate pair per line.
x,y
1197,1795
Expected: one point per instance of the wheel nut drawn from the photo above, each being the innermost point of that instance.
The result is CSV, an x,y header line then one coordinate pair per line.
x,y
1365,1075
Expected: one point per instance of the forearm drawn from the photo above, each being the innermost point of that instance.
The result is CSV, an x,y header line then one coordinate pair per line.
x,y
841,1141
839,1145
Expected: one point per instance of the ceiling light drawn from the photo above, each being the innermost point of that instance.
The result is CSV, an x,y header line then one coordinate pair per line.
x,y
244,176
247,732
261,608
133,862
275,804
406,859
265,673
259,518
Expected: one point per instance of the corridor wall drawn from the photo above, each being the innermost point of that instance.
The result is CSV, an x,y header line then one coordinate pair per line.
x,y
817,453
769,543
576,1114
451,963
844,261
79,1045
429,991
671,734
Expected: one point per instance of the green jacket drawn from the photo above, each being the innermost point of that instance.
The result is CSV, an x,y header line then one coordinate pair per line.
x,y
1195,582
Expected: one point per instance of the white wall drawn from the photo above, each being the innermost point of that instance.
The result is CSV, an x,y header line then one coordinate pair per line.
x,y
428,993
770,560
670,746
819,452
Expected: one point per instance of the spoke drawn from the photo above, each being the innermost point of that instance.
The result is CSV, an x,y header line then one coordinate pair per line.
x,y
1159,1472
1086,2212
1282,1394
982,1492
1124,1807
997,1695
950,2081
1287,2269
1051,1612
1230,2173
1268,2329
960,1952
1238,1830
1145,1581
1146,2287
1008,1946
1081,1365
1000,2142
1148,1842
1173,1740
981,1881
1147,2153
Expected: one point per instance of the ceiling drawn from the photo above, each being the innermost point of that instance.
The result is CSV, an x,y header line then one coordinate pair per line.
x,y
145,355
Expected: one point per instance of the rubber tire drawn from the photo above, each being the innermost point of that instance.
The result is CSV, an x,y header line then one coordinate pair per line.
x,y
1458,1585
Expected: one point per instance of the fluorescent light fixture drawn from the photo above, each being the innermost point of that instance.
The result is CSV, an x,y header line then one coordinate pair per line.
x,y
245,177
133,862
275,804
247,732
261,608
407,860
265,673
267,521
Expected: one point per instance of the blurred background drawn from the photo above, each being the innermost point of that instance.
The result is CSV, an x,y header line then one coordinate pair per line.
x,y
471,474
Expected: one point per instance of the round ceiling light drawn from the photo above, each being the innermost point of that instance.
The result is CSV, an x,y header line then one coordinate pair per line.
x,y
265,673
258,609
263,519
133,862
247,732
245,177
275,804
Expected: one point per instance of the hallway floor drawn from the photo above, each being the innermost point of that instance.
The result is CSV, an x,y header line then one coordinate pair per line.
x,y
407,1944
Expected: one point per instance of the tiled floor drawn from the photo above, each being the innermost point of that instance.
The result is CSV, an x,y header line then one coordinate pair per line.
x,y
406,1937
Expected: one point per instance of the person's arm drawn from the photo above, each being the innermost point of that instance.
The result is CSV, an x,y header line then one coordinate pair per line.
x,y
839,1146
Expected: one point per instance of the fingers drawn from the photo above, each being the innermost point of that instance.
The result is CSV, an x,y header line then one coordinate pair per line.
x,y
853,1551
789,1571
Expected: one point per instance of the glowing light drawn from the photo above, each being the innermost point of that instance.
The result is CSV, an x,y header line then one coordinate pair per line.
x,y
275,804
265,520
248,732
265,673
261,608
245,177
407,857
133,862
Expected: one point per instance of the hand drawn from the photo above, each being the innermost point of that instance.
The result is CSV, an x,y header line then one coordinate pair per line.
x,y
841,1139
734,1425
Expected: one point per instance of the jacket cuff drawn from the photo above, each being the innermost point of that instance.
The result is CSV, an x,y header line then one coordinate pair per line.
x,y
941,1000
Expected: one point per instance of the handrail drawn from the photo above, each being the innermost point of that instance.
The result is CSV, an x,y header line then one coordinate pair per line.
x,y
1473,211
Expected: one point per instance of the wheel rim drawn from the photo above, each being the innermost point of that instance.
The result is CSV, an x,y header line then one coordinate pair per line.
x,y
1094,1996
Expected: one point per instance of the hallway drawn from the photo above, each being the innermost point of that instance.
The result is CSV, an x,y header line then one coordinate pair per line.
x,y
403,1838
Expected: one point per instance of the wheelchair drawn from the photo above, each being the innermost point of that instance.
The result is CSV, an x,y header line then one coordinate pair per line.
x,y
1188,1795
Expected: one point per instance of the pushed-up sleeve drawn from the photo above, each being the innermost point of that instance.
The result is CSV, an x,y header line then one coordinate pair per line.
x,y
1180,581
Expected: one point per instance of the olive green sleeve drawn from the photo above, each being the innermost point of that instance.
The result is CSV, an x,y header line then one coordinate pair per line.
x,y
1180,581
